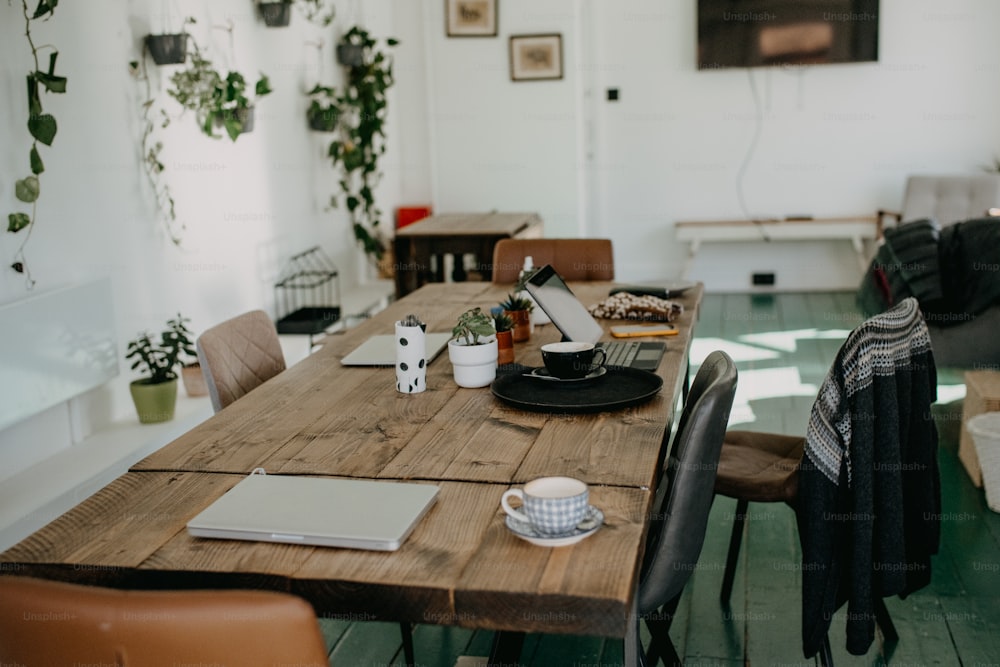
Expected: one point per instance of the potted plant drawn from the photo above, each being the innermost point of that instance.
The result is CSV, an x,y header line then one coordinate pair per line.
x,y
505,338
169,48
214,98
473,349
519,310
276,13
360,135
324,108
155,396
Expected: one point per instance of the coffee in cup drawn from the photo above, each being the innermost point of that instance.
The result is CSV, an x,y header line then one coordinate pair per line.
x,y
570,360
550,505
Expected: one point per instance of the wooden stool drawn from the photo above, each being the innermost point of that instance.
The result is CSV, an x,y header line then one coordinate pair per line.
x,y
982,394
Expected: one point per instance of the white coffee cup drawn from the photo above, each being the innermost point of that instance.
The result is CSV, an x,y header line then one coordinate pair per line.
x,y
550,505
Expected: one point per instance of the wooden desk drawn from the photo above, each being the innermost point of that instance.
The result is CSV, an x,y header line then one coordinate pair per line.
x,y
455,234
856,229
461,566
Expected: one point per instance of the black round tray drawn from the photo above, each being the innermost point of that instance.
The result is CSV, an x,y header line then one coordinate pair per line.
x,y
618,388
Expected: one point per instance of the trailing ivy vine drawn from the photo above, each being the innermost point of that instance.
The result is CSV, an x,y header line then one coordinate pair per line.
x,y
42,127
361,113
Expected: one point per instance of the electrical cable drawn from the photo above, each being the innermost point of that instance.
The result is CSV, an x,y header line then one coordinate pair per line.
x,y
751,149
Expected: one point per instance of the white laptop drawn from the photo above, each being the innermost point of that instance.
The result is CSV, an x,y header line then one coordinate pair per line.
x,y
319,511
381,350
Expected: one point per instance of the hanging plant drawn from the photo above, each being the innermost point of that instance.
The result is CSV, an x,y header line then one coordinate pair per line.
x,y
41,126
360,113
278,13
215,99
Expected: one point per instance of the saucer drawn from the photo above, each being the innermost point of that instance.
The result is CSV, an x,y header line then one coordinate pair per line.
x,y
587,527
542,373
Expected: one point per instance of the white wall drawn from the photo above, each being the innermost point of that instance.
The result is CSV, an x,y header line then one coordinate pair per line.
x,y
247,206
834,140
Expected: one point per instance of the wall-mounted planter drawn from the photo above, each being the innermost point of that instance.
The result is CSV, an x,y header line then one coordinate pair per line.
x,y
350,55
322,121
244,116
168,49
275,14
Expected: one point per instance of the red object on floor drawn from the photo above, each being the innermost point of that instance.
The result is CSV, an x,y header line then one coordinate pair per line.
x,y
407,215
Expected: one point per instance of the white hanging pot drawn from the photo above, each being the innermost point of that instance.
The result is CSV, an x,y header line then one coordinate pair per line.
x,y
473,365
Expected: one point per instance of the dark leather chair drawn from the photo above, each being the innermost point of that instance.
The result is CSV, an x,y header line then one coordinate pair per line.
x,y
889,353
683,499
573,259
45,623
239,355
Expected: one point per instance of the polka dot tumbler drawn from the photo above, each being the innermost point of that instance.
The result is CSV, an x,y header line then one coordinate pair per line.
x,y
411,358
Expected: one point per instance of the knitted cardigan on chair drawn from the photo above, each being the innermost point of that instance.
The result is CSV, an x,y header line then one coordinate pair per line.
x,y
869,492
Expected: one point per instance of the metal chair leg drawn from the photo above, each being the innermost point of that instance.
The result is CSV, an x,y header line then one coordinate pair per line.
x,y
734,550
406,630
825,655
506,649
884,621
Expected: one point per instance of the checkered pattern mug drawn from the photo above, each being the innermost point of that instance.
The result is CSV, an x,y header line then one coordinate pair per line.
x,y
551,505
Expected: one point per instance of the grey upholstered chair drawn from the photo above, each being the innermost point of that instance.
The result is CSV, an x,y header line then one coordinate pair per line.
x,y
573,259
238,356
683,500
153,628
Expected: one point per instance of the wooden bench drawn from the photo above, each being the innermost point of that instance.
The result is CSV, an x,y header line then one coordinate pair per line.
x,y
856,229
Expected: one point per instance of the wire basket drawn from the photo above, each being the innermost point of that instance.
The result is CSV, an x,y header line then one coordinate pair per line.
x,y
307,295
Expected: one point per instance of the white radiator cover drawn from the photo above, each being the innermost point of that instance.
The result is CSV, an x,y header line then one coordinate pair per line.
x,y
54,346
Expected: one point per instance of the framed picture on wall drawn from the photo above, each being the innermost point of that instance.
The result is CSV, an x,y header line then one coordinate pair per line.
x,y
471,18
536,57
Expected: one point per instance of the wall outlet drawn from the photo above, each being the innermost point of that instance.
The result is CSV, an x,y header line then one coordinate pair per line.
x,y
762,279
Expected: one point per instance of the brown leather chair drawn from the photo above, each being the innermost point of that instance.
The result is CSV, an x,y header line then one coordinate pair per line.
x,y
45,623
573,259
238,356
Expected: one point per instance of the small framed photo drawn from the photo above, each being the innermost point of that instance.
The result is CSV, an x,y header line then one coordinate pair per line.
x,y
536,57
471,18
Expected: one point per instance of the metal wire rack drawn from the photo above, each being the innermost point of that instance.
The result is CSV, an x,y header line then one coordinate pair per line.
x,y
307,294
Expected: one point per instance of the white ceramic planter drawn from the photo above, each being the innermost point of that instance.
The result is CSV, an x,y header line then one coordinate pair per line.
x,y
473,365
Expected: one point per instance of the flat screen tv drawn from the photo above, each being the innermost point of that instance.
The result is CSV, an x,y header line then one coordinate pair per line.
x,y
763,33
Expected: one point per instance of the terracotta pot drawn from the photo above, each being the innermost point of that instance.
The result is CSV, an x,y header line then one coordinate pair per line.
x,y
194,381
522,324
154,402
505,347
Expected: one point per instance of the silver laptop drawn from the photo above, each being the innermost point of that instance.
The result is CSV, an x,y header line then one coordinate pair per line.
x,y
576,323
381,350
319,511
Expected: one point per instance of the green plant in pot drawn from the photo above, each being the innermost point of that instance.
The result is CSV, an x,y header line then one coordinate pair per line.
x,y
473,349
216,99
155,396
505,338
519,308
360,139
324,108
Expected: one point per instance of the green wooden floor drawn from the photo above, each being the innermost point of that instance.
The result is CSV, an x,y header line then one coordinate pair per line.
x,y
783,345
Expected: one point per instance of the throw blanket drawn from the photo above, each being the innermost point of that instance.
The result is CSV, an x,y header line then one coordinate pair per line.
x,y
953,272
869,491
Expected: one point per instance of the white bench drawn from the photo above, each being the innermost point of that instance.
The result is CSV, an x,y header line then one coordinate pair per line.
x,y
856,229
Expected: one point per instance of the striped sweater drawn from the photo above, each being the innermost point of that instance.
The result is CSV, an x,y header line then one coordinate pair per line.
x,y
869,492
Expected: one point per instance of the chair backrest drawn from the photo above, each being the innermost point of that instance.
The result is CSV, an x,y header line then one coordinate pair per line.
x,y
573,259
950,198
238,356
686,491
54,623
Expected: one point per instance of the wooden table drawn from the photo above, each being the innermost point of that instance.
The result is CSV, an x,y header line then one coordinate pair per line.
x,y
856,229
455,234
461,566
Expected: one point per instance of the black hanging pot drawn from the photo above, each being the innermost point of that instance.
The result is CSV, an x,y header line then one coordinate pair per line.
x,y
322,121
167,49
351,55
275,14
244,115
